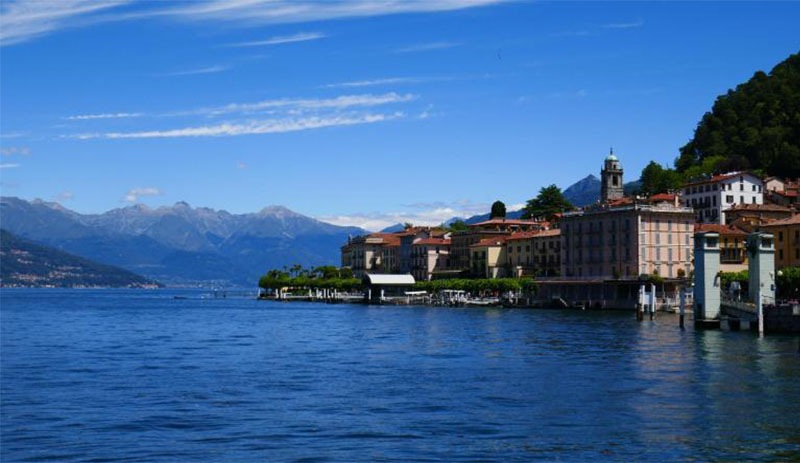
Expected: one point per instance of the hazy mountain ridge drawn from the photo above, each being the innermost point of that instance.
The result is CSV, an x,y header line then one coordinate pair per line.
x,y
29,264
182,244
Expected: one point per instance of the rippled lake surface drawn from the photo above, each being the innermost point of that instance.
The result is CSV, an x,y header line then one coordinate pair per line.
x,y
113,375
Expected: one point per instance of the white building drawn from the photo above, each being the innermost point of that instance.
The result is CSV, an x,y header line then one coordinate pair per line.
x,y
710,198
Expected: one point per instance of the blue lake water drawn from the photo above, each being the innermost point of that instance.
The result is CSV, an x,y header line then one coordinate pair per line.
x,y
117,375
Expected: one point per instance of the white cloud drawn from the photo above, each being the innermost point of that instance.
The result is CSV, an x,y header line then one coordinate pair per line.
x,y
9,166
298,11
280,40
88,117
427,47
134,194
241,165
340,102
192,72
250,128
419,214
15,150
24,20
628,25
376,82
64,196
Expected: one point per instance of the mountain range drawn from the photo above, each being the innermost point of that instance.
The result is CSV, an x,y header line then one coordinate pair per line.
x,y
181,245
27,264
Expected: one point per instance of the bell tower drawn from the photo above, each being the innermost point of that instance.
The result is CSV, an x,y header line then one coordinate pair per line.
x,y
611,179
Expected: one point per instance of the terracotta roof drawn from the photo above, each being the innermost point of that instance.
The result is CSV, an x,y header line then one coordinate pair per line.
x,y
793,220
522,236
663,197
718,228
490,242
546,233
719,178
759,208
433,242
506,222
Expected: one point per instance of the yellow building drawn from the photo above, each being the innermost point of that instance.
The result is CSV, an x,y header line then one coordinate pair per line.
x,y
787,241
488,258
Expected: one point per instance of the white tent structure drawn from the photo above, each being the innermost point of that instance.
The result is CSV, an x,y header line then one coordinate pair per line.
x,y
381,286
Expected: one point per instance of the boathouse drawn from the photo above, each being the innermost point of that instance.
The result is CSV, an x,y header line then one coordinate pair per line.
x,y
382,287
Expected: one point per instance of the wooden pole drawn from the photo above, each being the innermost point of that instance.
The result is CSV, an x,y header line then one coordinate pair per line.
x,y
760,306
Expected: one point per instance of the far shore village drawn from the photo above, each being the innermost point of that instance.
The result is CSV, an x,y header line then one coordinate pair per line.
x,y
602,251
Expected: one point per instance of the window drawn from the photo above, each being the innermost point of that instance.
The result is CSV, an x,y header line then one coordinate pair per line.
x,y
729,199
754,188
741,187
741,199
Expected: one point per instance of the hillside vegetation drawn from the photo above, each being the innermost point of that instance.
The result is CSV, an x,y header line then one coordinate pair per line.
x,y
755,126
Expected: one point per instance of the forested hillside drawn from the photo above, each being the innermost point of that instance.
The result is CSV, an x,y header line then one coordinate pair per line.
x,y
755,126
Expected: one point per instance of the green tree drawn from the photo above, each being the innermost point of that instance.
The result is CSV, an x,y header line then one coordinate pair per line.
x,y
788,283
547,204
656,179
457,226
498,210
755,126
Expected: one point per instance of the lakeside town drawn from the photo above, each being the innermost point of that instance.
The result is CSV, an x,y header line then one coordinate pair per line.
x,y
598,256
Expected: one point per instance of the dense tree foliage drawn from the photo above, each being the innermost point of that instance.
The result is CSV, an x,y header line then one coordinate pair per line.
x,y
788,283
756,126
498,210
457,226
657,179
547,204
326,276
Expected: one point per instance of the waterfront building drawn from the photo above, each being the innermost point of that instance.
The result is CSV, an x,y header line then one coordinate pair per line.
x,y
786,235
488,258
711,198
750,217
732,245
460,242
429,255
407,239
373,253
519,254
627,240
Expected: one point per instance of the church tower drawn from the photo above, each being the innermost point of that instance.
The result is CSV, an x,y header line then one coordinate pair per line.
x,y
611,179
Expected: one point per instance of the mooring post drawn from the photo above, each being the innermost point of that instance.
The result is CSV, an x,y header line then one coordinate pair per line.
x,y
683,306
652,301
760,307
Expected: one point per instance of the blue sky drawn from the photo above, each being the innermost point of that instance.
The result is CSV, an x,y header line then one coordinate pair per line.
x,y
359,112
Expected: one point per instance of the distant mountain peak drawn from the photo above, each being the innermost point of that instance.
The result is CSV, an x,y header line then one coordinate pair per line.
x,y
278,211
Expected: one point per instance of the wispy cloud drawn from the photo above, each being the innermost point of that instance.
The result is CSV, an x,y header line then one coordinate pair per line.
x,y
15,150
241,165
64,196
9,166
423,47
339,102
24,20
280,40
294,11
627,25
89,117
249,128
578,33
134,194
418,214
192,72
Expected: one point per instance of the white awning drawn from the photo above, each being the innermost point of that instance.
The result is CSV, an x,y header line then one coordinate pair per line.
x,y
390,280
